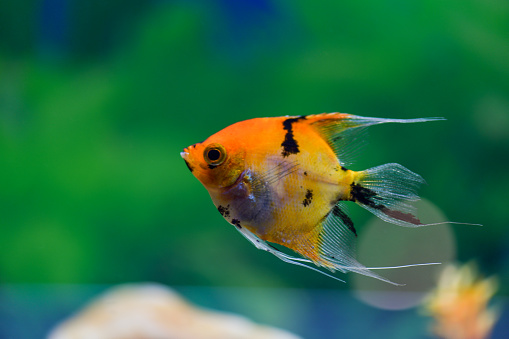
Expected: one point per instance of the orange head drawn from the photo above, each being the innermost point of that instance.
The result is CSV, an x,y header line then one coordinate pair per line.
x,y
216,162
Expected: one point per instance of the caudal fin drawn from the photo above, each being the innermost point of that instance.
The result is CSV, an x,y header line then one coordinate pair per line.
x,y
386,191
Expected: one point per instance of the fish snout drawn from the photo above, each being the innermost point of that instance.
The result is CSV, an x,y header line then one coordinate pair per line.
x,y
185,155
187,151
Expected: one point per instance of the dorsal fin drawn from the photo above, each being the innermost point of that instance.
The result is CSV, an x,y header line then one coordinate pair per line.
x,y
345,132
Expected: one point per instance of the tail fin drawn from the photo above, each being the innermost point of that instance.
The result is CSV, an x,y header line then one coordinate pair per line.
x,y
386,190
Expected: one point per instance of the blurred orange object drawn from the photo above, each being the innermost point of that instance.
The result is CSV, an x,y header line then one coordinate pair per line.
x,y
459,304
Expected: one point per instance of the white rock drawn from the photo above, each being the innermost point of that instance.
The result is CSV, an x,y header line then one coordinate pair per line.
x,y
156,312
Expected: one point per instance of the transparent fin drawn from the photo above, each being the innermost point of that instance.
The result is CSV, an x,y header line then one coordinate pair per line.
x,y
356,120
345,132
349,145
337,255
386,191
262,245
337,245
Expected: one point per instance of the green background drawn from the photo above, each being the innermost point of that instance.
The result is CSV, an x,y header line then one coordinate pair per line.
x,y
98,98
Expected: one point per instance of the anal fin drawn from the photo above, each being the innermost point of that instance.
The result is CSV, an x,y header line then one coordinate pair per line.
x,y
337,245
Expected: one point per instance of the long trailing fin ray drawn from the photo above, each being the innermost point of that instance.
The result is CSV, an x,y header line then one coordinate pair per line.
x,y
451,222
341,237
403,266
345,132
367,121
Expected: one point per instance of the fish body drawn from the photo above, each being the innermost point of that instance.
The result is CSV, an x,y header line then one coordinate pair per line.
x,y
285,180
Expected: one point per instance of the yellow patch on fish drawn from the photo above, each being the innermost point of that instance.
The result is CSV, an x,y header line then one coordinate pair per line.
x,y
284,180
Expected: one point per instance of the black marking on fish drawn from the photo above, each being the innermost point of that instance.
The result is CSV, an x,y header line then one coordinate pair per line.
x,y
337,168
290,145
368,197
225,211
191,168
345,218
305,173
336,138
236,222
308,198
365,196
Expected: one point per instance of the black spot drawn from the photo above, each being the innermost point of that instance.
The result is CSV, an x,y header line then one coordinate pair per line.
x,y
337,168
290,145
306,173
194,145
365,196
308,198
236,222
189,166
344,218
337,211
225,212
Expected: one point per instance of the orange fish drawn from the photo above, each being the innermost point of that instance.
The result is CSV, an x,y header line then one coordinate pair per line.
x,y
285,180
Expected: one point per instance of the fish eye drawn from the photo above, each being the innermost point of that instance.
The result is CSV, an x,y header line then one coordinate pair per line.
x,y
214,154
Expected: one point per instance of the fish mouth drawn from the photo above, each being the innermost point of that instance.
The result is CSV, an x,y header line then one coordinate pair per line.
x,y
185,155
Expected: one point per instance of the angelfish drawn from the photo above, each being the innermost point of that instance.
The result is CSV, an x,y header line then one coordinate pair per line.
x,y
285,180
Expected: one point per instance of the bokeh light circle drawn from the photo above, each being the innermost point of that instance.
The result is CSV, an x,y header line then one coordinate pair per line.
x,y
383,244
